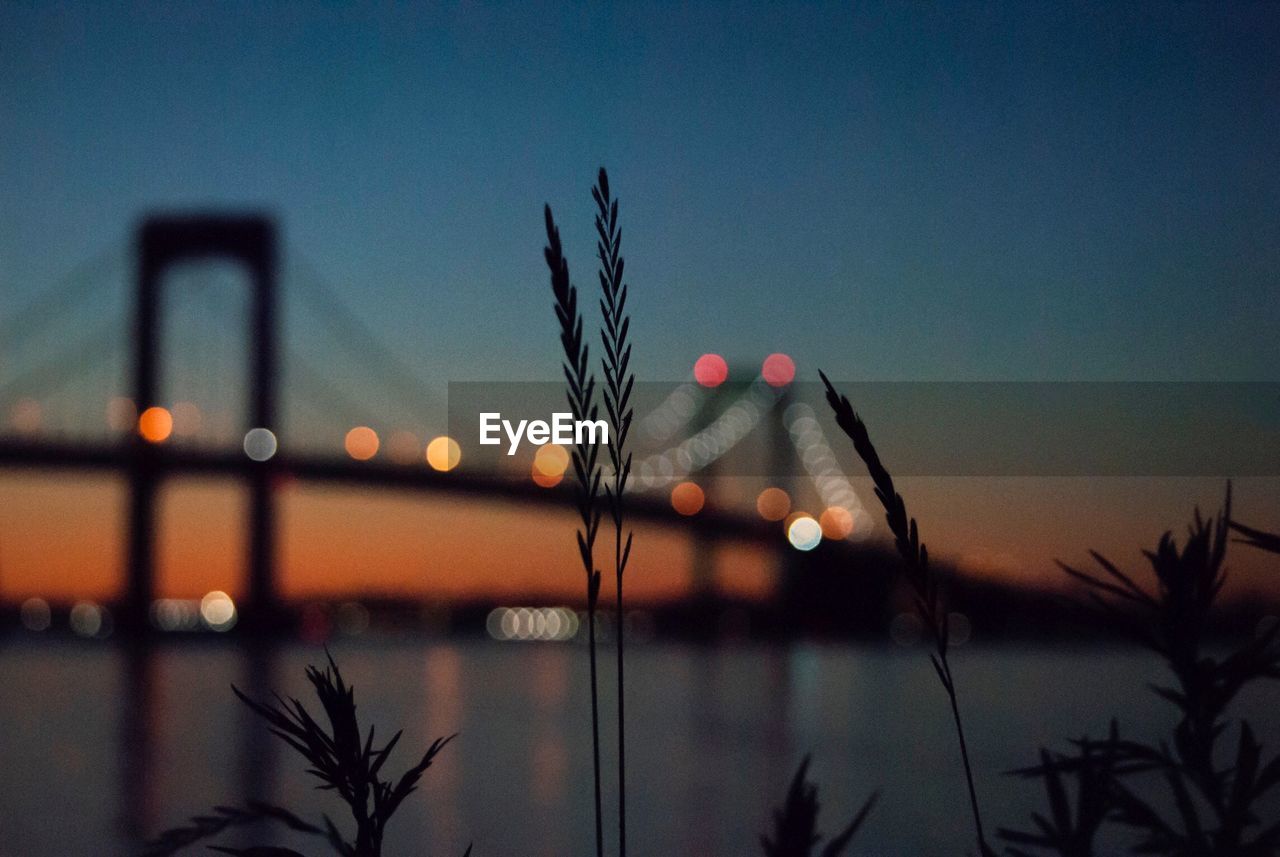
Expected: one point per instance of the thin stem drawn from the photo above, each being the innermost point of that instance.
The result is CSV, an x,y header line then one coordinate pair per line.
x,y
581,392
915,559
622,743
617,401
595,724
964,755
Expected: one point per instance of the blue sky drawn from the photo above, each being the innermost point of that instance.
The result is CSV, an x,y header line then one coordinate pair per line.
x,y
918,191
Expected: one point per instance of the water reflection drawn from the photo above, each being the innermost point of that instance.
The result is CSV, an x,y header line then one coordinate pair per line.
x,y
114,744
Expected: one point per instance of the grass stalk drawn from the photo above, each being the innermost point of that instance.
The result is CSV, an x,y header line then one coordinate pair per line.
x,y
581,385
924,584
619,380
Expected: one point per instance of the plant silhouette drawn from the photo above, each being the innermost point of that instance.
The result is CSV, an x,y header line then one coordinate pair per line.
x,y
581,389
1211,791
619,381
345,763
795,823
924,583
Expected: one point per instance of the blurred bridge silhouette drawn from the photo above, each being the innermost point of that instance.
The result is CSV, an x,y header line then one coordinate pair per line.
x,y
65,412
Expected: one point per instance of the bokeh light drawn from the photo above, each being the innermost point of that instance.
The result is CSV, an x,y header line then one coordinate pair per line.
x,y
88,619
804,533
551,459
779,370
687,498
549,465
155,424
710,370
186,419
403,447
546,480
443,453
218,611
27,416
36,615
259,443
524,624
122,414
773,504
837,522
361,443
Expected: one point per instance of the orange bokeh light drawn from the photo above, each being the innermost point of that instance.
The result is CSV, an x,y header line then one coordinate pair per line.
x,y
361,443
155,424
551,459
546,480
773,504
778,370
710,370
837,522
687,498
443,453
403,447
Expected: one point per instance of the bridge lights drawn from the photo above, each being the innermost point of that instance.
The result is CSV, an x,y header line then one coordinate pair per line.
x,y
155,424
218,611
836,522
443,453
122,415
804,533
687,498
259,444
710,370
361,443
549,464
773,504
36,615
403,447
90,620
187,419
778,370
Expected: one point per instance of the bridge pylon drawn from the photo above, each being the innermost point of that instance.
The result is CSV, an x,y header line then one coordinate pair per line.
x,y
163,241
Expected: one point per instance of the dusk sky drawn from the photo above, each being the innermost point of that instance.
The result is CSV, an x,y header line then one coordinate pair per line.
x,y
888,192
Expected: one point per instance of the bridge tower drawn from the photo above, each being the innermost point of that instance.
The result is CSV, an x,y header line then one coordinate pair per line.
x,y
162,242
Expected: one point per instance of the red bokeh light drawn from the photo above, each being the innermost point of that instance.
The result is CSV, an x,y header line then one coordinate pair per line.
x,y
710,370
779,370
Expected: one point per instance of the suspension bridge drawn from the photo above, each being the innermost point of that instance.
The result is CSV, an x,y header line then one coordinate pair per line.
x,y
93,382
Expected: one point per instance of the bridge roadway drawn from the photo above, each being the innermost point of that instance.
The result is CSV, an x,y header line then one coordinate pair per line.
x,y
121,457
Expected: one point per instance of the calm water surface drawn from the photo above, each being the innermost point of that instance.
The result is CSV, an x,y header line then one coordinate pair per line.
x,y
95,748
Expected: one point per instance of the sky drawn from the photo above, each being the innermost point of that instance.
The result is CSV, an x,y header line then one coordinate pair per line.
x,y
1017,191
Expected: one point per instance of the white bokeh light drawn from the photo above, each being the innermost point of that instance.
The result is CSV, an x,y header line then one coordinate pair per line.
x,y
804,533
259,444
218,611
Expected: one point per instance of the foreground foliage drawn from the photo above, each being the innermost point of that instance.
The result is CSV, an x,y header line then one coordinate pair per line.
x,y
344,762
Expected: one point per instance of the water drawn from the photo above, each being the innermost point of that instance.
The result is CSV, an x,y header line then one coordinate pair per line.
x,y
90,751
